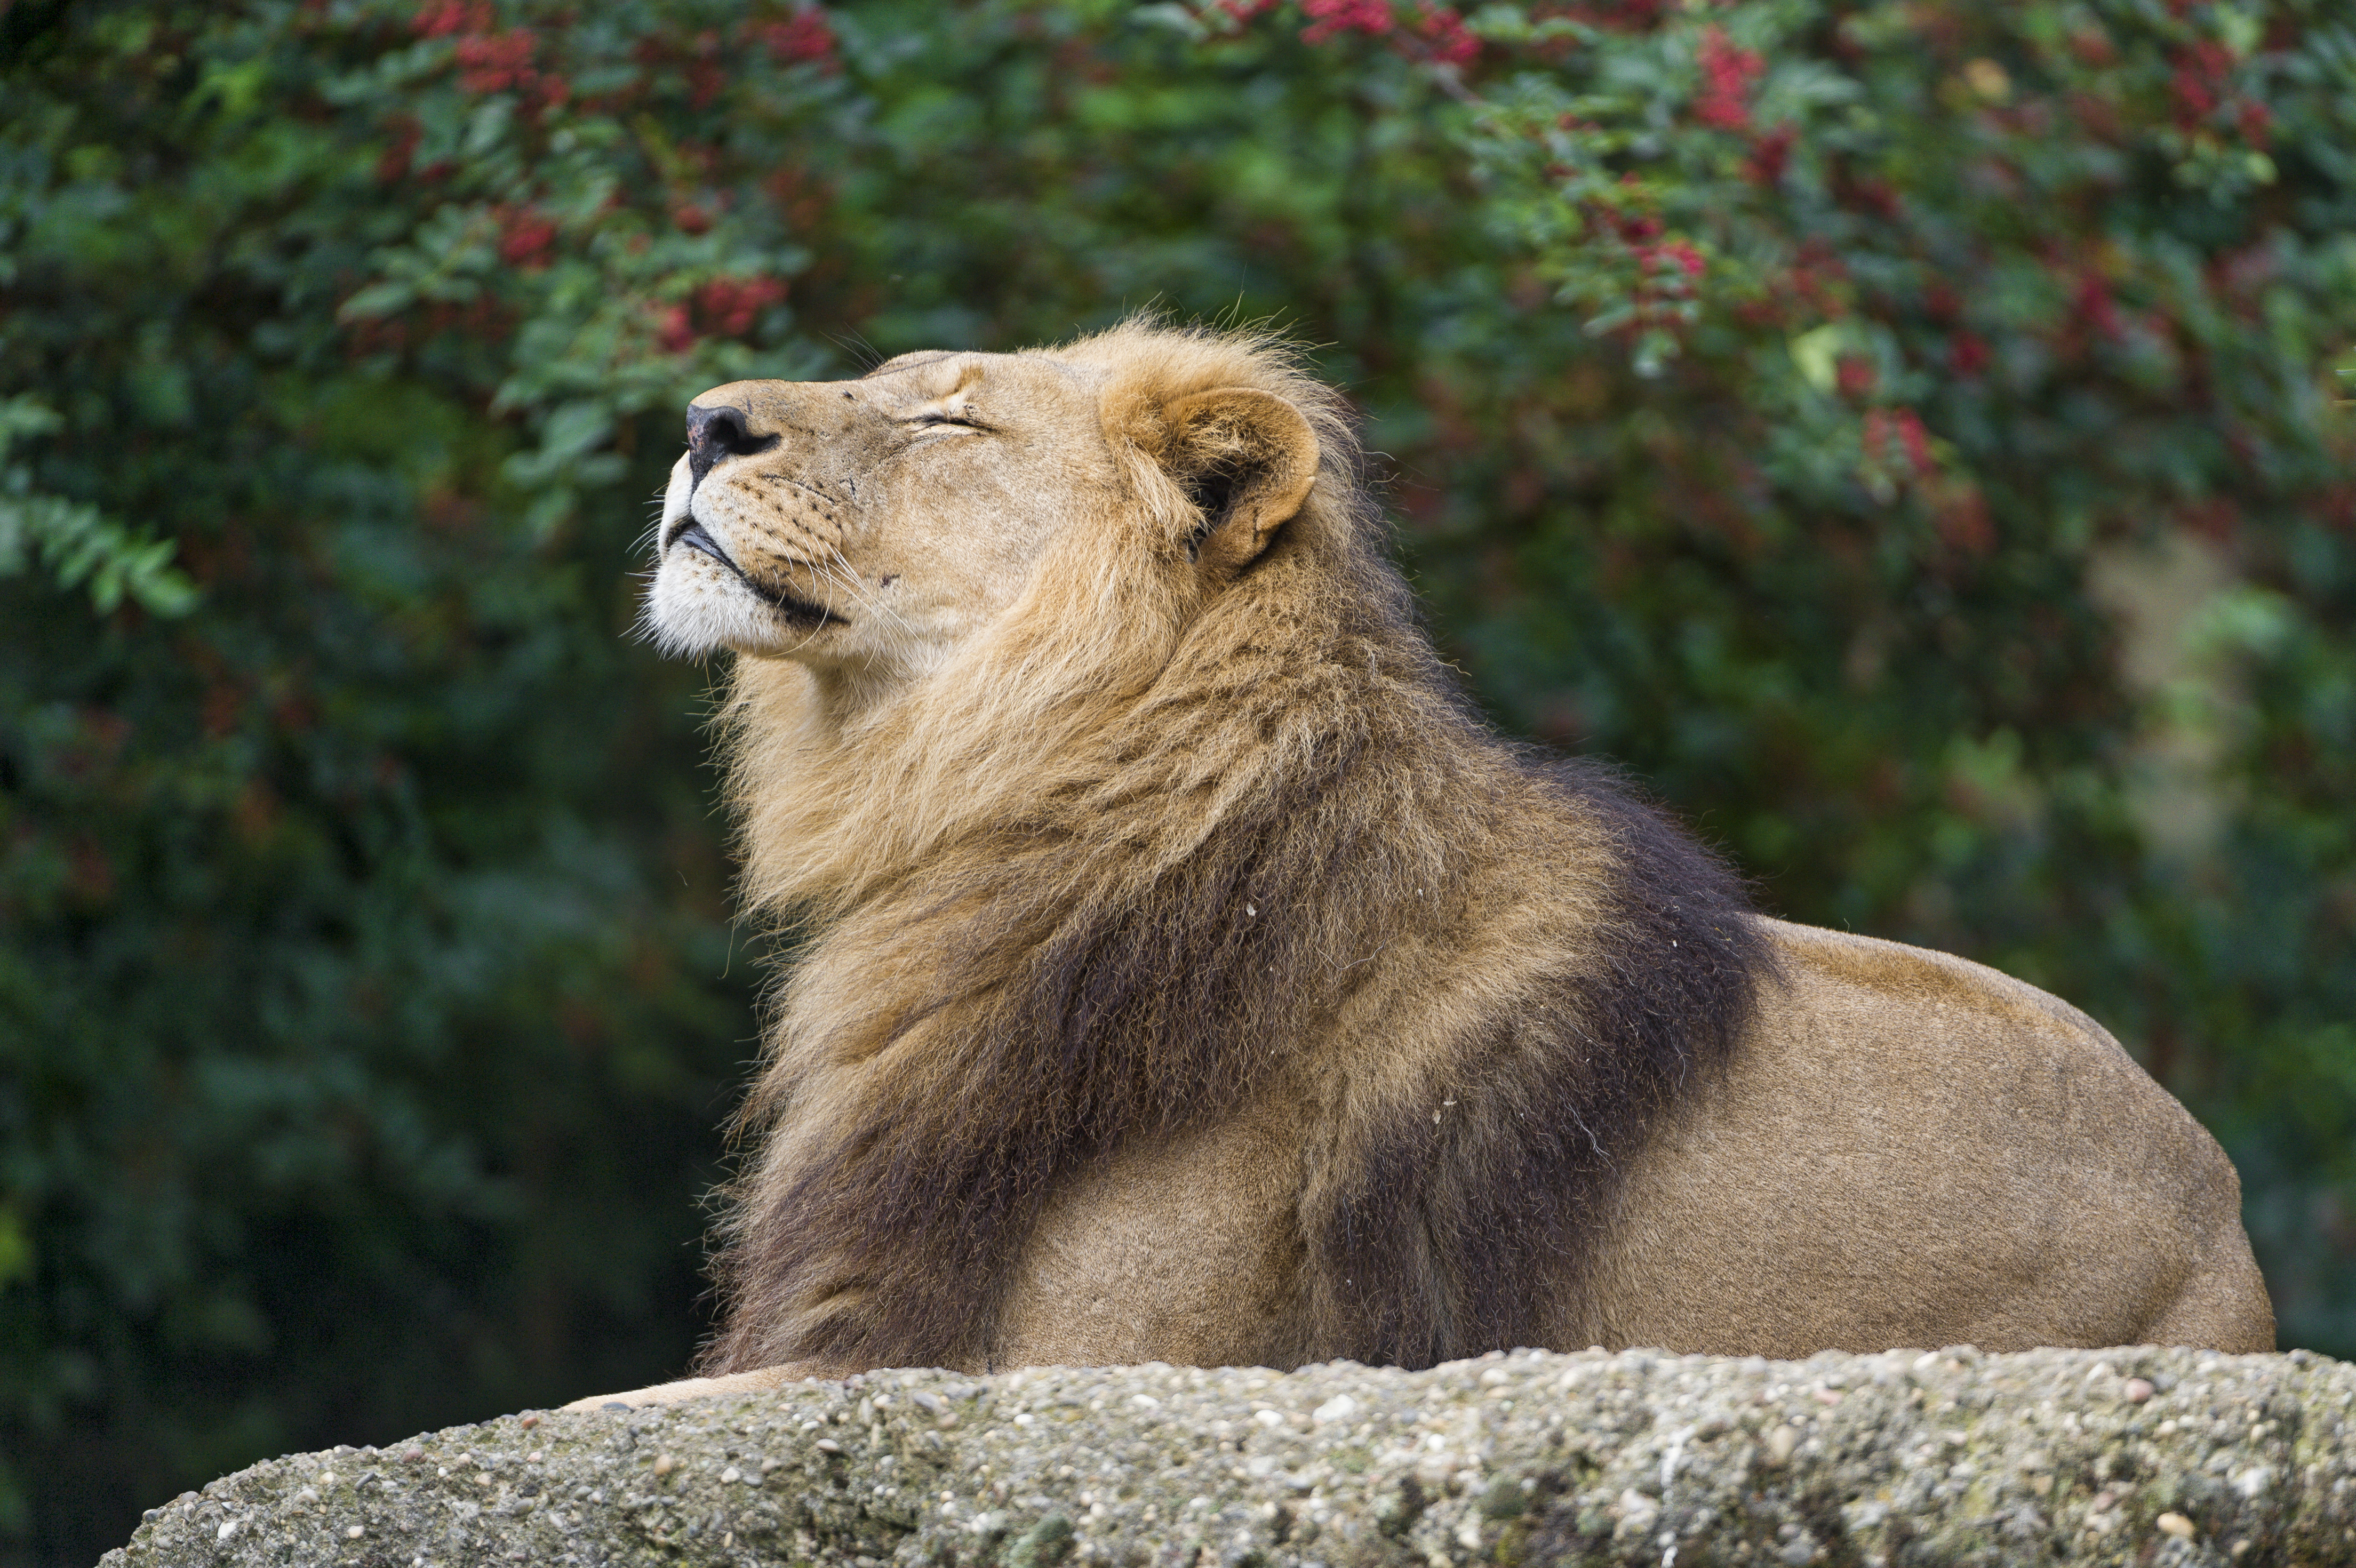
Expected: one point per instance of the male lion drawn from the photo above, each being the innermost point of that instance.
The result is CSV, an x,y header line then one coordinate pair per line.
x,y
1191,975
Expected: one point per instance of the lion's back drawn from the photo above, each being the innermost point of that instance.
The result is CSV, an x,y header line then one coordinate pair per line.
x,y
1913,1147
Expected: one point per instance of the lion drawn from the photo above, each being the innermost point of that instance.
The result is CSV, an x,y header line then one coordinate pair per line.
x,y
1185,972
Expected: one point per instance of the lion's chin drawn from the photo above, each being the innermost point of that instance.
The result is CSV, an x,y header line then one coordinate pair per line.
x,y
699,605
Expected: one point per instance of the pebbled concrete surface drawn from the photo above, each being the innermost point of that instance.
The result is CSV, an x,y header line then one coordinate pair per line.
x,y
2140,1455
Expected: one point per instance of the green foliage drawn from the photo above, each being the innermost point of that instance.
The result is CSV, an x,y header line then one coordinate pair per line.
x,y
1905,434
75,543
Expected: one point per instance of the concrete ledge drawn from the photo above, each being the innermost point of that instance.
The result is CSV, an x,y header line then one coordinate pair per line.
x,y
2142,1457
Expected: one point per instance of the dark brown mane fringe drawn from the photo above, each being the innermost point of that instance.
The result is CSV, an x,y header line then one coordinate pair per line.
x,y
1456,1239
1076,983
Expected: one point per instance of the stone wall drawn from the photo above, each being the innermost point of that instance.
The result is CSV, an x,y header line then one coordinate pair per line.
x,y
2142,1457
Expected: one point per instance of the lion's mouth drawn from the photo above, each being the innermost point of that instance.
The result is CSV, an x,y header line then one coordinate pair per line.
x,y
793,608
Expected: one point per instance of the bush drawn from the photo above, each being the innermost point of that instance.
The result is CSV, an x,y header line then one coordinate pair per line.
x,y
1905,433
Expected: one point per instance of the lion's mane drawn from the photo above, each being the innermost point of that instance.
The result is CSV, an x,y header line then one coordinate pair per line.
x,y
1128,862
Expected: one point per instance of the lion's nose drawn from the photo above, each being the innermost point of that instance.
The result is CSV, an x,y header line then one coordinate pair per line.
x,y
715,434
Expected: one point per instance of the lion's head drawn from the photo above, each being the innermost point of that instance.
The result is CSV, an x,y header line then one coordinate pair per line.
x,y
872,530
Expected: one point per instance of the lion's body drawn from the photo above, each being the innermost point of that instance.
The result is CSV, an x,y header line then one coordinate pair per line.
x,y
1190,977
1877,1169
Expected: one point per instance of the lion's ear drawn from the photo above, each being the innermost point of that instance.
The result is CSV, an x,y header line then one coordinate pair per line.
x,y
1248,460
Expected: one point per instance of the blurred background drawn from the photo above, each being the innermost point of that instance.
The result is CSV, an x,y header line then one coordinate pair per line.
x,y
1908,434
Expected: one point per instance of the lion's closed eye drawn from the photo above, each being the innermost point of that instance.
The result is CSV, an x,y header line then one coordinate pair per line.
x,y
928,419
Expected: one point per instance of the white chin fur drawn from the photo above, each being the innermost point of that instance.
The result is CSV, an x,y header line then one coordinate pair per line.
x,y
698,607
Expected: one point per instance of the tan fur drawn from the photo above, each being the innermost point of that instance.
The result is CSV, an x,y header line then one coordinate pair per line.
x,y
1187,974
1918,1150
